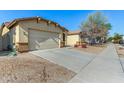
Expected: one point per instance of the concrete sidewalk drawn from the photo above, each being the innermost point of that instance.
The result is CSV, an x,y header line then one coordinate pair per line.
x,y
104,68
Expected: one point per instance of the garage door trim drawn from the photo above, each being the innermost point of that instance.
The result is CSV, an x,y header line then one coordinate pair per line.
x,y
42,30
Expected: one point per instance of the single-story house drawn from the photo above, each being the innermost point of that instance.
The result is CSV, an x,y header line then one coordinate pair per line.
x,y
32,33
73,37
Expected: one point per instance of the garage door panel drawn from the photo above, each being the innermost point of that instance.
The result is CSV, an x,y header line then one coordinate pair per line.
x,y
49,43
43,40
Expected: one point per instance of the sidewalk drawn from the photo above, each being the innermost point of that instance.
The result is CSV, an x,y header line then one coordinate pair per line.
x,y
105,68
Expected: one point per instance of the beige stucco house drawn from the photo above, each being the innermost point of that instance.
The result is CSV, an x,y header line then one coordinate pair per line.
x,y
73,37
32,34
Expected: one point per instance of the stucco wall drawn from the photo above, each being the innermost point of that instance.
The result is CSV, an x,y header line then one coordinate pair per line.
x,y
41,25
0,43
14,33
26,26
5,30
4,42
9,37
72,39
5,38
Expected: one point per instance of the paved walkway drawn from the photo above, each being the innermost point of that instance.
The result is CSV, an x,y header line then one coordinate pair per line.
x,y
105,67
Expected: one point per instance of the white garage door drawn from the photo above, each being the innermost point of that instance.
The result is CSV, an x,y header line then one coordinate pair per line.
x,y
43,40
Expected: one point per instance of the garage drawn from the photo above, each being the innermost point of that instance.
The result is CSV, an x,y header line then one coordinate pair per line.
x,y
34,33
43,40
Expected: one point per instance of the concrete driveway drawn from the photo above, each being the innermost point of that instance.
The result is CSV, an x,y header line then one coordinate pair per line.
x,y
102,68
72,59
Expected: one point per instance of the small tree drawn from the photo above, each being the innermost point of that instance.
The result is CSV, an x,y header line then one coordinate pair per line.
x,y
117,38
110,39
96,26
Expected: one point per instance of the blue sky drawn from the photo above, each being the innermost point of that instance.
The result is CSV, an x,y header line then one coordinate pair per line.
x,y
71,19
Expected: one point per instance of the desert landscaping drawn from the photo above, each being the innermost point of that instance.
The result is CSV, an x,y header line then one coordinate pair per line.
x,y
29,68
93,49
120,50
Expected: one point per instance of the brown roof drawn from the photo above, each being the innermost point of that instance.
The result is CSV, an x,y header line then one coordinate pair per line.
x,y
74,32
29,18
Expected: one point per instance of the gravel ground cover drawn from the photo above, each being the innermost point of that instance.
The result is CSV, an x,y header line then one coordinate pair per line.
x,y
27,68
92,49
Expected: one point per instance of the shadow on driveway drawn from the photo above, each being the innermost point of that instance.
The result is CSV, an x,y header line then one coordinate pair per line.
x,y
4,53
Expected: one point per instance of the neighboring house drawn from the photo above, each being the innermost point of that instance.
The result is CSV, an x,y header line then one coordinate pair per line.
x,y
73,37
77,36
32,34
